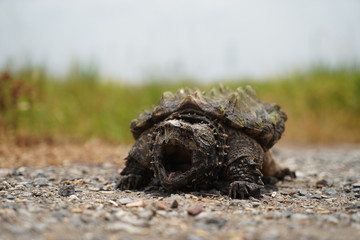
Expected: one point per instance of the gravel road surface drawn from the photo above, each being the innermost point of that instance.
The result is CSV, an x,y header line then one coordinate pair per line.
x,y
77,200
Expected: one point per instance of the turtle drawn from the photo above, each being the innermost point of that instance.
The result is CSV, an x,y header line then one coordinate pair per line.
x,y
198,140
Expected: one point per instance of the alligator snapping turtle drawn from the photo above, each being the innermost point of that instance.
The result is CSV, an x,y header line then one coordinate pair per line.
x,y
197,140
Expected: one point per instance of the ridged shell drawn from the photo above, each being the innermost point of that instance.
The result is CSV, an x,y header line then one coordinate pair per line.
x,y
240,109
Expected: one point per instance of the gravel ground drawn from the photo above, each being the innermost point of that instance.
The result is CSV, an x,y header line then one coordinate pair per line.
x,y
78,201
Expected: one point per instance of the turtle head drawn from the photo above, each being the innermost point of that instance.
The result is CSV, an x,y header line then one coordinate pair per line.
x,y
183,153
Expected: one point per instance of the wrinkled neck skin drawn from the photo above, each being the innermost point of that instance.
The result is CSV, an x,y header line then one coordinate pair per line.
x,y
184,153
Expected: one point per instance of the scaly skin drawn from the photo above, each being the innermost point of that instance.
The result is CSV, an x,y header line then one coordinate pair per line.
x,y
243,165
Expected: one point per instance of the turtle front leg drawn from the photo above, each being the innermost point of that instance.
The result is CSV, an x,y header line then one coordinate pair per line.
x,y
137,172
133,176
244,161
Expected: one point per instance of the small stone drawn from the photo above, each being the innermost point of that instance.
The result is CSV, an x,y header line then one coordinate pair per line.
x,y
210,223
299,216
76,210
41,181
114,203
27,194
204,215
148,215
73,198
135,221
302,193
20,187
195,211
256,204
10,197
4,186
309,211
67,190
175,196
120,214
322,183
354,206
188,196
162,213
174,204
330,191
316,196
160,206
94,189
107,187
124,201
37,194
139,203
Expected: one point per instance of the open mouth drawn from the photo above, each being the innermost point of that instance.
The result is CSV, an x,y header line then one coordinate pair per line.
x,y
176,160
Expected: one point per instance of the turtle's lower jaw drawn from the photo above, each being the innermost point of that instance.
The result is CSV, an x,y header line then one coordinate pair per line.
x,y
175,164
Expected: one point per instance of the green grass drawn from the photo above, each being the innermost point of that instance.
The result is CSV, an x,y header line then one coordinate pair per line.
x,y
323,104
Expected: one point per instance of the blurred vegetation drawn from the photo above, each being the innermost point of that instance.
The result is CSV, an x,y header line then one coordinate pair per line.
x,y
323,104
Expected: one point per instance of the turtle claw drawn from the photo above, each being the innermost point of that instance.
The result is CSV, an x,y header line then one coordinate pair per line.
x,y
130,181
244,190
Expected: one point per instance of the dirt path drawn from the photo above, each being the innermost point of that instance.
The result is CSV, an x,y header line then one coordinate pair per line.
x,y
322,203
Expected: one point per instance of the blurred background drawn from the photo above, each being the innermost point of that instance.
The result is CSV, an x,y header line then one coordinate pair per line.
x,y
82,69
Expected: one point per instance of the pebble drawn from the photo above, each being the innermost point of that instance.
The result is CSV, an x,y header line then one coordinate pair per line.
x,y
302,193
174,204
316,196
322,183
27,194
330,191
354,206
256,204
159,205
66,190
40,181
175,196
135,221
147,214
211,223
139,203
9,196
4,186
30,212
299,216
195,211
124,201
73,198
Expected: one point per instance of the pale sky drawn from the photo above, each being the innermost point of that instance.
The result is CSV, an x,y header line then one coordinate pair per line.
x,y
202,39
